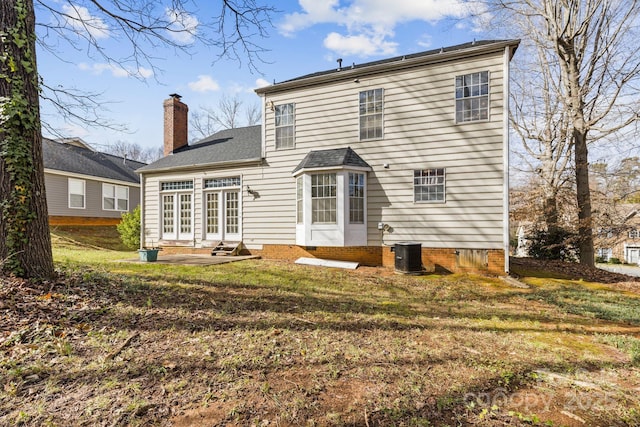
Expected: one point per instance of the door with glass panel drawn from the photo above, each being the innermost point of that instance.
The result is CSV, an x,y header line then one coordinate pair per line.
x,y
177,220
223,215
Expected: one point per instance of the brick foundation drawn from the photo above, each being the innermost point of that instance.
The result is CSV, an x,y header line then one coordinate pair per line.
x,y
438,260
83,220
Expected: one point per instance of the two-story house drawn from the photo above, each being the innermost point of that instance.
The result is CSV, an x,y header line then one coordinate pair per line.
x,y
347,163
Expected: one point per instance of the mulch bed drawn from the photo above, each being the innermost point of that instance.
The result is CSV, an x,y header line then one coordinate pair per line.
x,y
567,270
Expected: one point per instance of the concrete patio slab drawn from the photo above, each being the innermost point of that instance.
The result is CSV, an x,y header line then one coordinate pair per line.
x,y
191,259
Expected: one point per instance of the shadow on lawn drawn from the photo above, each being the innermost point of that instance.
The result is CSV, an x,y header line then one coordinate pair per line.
x,y
148,303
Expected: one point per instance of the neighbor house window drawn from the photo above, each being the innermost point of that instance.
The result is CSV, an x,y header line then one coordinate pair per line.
x,y
323,198
472,97
356,198
115,197
371,106
299,200
285,126
634,234
76,193
605,254
177,209
429,185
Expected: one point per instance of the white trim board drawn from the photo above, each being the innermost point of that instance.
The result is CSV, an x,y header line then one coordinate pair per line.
x,y
327,263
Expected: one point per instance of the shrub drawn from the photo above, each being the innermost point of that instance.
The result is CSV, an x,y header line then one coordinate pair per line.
x,y
614,260
557,243
600,260
129,228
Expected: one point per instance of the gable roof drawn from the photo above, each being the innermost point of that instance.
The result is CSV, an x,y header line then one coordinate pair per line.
x,y
332,158
404,61
227,146
84,161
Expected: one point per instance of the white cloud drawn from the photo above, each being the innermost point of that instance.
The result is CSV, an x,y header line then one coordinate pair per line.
x,y
204,84
370,24
262,83
116,71
361,45
183,26
81,20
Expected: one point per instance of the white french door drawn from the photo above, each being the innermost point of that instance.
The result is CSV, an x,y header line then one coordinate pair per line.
x,y
177,216
223,220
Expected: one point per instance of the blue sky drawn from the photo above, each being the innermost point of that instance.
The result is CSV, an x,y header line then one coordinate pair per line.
x,y
307,36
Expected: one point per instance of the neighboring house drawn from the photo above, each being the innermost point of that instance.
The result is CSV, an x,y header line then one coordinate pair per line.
x,y
622,240
349,162
86,187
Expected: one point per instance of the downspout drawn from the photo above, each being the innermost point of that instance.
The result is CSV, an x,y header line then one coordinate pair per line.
x,y
142,197
505,155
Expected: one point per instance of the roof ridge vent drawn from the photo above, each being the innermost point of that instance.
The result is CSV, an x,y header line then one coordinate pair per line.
x,y
339,61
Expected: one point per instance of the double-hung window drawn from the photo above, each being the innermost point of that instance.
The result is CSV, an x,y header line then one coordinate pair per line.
x,y
429,185
285,132
77,189
371,106
115,197
472,97
356,198
177,209
323,198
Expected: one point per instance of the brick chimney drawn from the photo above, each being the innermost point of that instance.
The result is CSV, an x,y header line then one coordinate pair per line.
x,y
175,124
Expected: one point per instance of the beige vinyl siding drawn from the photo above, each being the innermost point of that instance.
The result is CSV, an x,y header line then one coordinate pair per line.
x,y
419,132
57,188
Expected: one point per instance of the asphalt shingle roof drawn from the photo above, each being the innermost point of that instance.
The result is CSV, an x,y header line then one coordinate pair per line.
x,y
70,158
230,145
354,66
331,158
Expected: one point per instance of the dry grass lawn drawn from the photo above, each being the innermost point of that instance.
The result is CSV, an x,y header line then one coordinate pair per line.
x,y
267,343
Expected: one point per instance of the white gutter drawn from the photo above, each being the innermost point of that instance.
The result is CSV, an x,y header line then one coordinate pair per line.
x,y
401,63
90,177
202,165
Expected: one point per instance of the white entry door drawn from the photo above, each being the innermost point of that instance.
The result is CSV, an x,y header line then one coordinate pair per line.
x,y
633,255
222,209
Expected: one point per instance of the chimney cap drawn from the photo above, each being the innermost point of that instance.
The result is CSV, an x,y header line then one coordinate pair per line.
x,y
175,96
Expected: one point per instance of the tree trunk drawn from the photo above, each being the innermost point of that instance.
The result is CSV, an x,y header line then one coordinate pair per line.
x,y
583,194
25,242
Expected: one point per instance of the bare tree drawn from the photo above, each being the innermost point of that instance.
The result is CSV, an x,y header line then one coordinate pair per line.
x,y
133,151
593,44
143,26
227,115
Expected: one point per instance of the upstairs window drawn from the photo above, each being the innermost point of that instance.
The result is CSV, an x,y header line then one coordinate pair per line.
x,y
634,234
429,185
472,97
76,193
371,106
285,135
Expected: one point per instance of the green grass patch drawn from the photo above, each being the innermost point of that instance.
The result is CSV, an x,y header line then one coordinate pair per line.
x,y
593,302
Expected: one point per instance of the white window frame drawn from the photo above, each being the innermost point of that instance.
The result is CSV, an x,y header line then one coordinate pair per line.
x,y
368,112
115,197
84,193
357,191
284,118
472,96
177,189
228,217
324,198
300,200
634,234
431,178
